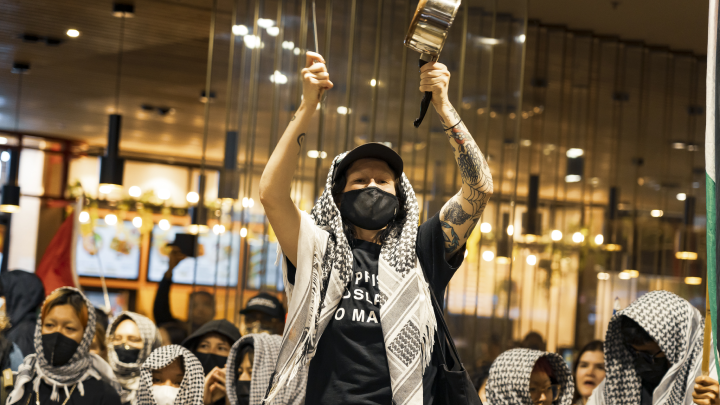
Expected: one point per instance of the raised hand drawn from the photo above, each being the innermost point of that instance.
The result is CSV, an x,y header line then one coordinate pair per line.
x,y
435,77
315,78
214,389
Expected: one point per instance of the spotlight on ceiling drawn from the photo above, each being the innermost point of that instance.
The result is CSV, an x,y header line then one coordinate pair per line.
x,y
73,33
123,10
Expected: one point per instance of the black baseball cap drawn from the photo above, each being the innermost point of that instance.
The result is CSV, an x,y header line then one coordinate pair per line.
x,y
267,304
186,242
374,150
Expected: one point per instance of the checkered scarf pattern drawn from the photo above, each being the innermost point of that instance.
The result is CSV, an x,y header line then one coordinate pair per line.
x,y
406,313
81,366
677,327
266,349
128,375
191,387
509,379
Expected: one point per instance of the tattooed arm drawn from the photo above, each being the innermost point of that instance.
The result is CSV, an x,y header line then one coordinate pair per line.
x,y
461,213
276,180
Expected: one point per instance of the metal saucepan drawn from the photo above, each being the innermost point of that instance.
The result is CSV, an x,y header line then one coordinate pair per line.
x,y
427,35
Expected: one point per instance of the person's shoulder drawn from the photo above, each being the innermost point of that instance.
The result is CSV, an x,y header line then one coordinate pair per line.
x,y
110,396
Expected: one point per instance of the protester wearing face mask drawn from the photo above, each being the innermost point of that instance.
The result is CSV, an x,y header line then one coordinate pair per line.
x,y
131,339
653,352
589,371
62,370
359,269
264,313
526,376
250,365
212,342
172,375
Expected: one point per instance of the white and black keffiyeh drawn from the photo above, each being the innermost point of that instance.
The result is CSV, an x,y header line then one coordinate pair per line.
x,y
324,269
677,327
266,349
191,387
128,375
81,366
509,379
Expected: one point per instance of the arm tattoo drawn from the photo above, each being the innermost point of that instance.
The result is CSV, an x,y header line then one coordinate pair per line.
x,y
476,186
292,119
454,213
300,140
450,244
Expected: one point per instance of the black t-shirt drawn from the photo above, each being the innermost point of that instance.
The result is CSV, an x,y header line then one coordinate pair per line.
x,y
97,392
350,365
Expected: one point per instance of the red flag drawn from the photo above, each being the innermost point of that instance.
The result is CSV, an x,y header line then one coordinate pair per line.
x,y
56,269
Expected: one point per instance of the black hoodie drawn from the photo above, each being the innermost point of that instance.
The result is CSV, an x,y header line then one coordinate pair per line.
x,y
24,293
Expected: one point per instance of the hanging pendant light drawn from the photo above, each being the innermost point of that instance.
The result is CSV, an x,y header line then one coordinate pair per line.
x,y
229,184
198,212
10,200
111,165
531,223
686,241
609,234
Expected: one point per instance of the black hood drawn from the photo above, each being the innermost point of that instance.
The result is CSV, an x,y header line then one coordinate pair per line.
x,y
220,326
24,293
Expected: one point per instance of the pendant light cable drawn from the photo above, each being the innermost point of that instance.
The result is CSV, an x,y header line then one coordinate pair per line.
x,y
119,65
17,103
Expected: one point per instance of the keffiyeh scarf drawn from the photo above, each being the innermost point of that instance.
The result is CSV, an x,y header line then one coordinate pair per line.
x,y
266,349
82,364
324,270
128,375
509,379
191,387
677,327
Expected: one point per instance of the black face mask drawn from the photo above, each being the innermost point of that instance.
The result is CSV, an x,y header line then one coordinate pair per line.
x,y
369,208
242,389
58,348
651,373
210,361
126,354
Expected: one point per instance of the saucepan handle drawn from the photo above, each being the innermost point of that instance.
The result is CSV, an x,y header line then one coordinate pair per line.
x,y
425,103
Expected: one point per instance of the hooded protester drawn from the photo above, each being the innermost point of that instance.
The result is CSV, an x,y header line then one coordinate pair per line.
x,y
358,270
131,338
526,376
211,343
172,375
251,364
62,369
653,353
24,293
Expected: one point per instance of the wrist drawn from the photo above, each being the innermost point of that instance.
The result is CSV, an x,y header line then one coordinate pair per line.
x,y
307,107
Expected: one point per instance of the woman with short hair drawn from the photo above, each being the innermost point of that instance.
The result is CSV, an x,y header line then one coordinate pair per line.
x,y
62,369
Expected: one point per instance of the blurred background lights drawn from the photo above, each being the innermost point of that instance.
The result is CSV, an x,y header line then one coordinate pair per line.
x,y
192,197
240,30
373,82
135,191
265,23
164,224
105,189
163,194
243,232
218,229
84,217
556,235
5,155
485,228
681,196
111,219
531,260
137,222
488,256
510,230
693,280
73,33
656,213
599,239
574,153
624,276
578,237
603,276
248,202
273,31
